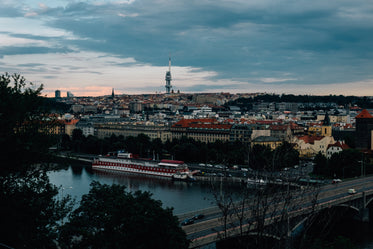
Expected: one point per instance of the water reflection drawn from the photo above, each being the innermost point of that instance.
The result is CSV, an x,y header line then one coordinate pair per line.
x,y
135,182
182,196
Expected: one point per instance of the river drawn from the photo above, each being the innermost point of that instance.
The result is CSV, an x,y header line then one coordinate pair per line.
x,y
184,197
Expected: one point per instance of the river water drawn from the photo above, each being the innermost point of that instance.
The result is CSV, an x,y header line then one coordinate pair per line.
x,y
184,197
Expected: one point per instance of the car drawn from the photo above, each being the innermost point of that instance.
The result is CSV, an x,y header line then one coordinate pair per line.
x,y
351,191
336,181
187,222
198,216
244,169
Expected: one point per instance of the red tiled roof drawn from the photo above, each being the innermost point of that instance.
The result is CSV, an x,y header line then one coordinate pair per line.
x,y
295,126
268,122
364,114
310,139
343,146
71,121
206,123
279,127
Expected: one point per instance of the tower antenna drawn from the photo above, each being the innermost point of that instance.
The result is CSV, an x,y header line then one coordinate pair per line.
x,y
168,77
169,63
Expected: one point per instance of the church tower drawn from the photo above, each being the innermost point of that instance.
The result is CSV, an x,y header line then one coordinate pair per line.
x,y
326,128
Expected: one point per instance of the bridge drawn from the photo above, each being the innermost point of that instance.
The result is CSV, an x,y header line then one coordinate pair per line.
x,y
284,213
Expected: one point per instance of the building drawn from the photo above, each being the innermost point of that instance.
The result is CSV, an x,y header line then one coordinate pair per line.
x,y
364,128
57,94
309,146
271,142
283,132
336,148
86,128
77,108
69,94
206,130
136,106
323,129
326,128
241,133
287,106
153,131
70,125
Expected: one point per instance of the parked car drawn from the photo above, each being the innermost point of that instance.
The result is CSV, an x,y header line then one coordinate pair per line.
x,y
198,216
187,222
336,181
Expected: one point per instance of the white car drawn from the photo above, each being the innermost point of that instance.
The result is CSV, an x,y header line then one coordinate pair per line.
x,y
351,191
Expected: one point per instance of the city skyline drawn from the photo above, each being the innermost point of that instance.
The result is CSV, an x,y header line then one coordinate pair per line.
x,y
235,46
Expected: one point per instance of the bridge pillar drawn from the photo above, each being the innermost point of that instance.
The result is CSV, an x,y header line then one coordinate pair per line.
x,y
364,214
364,211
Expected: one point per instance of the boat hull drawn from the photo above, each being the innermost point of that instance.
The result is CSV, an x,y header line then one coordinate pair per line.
x,y
131,170
147,167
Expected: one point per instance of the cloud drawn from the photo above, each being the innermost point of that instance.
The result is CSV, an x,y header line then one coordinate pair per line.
x,y
272,80
280,44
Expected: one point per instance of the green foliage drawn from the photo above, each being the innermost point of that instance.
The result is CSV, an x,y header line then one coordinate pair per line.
x,y
339,242
25,132
30,214
30,210
347,163
321,165
285,156
260,157
110,217
246,103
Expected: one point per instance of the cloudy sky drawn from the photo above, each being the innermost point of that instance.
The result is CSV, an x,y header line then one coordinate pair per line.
x,y
276,46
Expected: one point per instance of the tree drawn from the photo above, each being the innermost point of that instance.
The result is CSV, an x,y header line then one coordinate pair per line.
x,y
30,213
285,156
24,132
111,217
261,210
321,165
346,163
260,157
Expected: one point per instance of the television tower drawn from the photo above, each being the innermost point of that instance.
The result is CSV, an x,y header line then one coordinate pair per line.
x,y
168,77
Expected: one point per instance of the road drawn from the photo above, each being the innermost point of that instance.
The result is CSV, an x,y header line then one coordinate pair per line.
x,y
327,196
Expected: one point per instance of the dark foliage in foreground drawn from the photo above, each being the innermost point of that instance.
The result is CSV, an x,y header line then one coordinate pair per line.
x,y
111,217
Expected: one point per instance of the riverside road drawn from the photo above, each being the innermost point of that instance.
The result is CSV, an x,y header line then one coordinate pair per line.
x,y
205,231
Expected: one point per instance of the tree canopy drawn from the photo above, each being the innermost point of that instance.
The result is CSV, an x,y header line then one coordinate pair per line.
x,y
24,134
30,210
111,217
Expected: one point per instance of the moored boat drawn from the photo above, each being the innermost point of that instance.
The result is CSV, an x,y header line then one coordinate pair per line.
x,y
183,176
256,182
126,163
